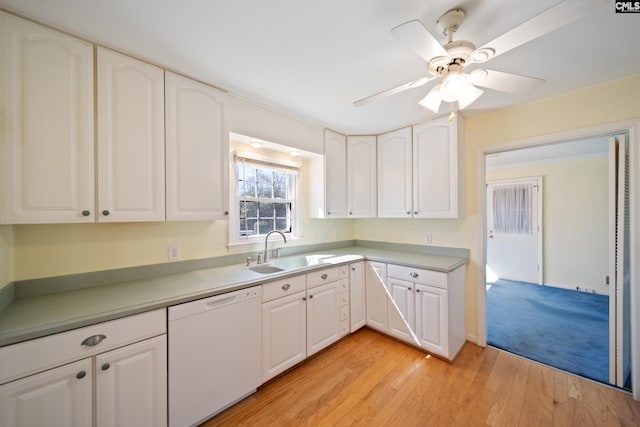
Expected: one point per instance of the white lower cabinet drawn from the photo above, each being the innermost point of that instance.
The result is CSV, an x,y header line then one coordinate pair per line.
x,y
357,296
401,309
323,317
284,333
57,397
432,319
376,295
131,385
50,381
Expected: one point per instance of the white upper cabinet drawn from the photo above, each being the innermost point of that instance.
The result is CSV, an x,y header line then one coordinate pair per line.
x,y
437,169
130,103
395,174
361,176
197,150
46,146
335,165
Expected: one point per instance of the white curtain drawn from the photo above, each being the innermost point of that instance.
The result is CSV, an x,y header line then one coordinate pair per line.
x,y
512,209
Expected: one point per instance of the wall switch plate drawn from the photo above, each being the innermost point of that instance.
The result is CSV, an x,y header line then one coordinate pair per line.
x,y
173,252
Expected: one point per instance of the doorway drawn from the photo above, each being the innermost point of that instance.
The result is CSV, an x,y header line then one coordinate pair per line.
x,y
578,218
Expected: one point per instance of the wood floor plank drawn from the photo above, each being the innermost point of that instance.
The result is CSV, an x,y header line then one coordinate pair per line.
x,y
368,379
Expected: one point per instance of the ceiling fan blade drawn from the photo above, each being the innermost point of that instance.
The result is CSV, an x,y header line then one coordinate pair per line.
x,y
505,82
410,85
551,19
417,37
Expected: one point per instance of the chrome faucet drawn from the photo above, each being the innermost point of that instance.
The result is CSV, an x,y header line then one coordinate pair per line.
x,y
266,241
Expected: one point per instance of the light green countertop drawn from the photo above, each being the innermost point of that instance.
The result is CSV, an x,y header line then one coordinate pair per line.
x,y
40,315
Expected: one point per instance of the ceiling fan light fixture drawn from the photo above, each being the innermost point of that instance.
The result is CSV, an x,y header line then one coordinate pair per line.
x,y
433,99
453,87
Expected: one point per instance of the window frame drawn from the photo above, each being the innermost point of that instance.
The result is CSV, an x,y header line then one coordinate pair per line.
x,y
269,162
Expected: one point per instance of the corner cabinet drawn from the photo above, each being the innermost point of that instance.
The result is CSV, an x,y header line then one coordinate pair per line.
x,y
395,174
361,176
438,165
197,150
130,104
46,145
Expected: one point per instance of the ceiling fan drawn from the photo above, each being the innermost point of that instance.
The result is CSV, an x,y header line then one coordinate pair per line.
x,y
447,62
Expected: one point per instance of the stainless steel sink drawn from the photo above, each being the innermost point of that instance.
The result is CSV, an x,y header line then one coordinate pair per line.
x,y
266,269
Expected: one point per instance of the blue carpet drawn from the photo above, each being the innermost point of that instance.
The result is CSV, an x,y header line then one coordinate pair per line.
x,y
562,328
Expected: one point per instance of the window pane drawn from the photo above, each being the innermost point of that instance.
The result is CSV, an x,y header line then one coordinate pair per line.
x,y
283,224
282,209
250,228
264,183
247,185
267,210
280,185
266,225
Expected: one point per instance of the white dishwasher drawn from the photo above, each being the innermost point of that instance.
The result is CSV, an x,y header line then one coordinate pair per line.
x,y
215,354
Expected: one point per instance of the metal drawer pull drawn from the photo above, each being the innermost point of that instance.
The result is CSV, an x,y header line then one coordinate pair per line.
x,y
414,275
286,287
94,340
310,296
417,290
80,375
105,366
324,276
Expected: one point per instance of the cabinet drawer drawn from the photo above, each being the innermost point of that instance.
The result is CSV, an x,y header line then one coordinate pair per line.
x,y
418,275
344,271
320,277
283,287
343,299
343,285
344,328
29,357
344,313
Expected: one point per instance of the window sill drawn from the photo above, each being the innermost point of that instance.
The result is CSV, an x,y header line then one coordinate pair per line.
x,y
258,243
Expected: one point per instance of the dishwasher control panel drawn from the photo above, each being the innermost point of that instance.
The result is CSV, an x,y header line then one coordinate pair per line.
x,y
249,293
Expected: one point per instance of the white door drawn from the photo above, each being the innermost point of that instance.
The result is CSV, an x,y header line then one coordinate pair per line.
x,y
361,176
395,174
432,324
284,334
401,309
46,136
197,150
514,230
131,385
323,316
357,297
130,139
57,397
335,172
376,295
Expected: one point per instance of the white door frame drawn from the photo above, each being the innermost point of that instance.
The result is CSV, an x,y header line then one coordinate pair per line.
x,y
539,223
631,126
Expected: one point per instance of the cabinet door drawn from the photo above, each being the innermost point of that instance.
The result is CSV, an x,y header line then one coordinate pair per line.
x,y
46,138
335,165
323,317
357,297
197,150
376,295
284,334
130,139
432,319
131,385
436,175
400,311
395,174
57,397
361,176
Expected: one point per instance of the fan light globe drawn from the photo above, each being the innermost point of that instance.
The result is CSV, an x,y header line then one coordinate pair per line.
x,y
453,86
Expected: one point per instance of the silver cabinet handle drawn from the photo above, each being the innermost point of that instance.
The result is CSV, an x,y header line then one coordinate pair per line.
x,y
93,340
80,375
414,275
324,276
286,287
105,366
353,269
86,213
310,296
417,290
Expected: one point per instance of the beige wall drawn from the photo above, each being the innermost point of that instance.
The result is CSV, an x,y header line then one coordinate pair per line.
x,y
575,219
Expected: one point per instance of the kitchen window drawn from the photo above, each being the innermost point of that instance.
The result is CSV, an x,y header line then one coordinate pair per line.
x,y
266,193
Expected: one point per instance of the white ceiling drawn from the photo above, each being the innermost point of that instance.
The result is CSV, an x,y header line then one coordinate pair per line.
x,y
312,58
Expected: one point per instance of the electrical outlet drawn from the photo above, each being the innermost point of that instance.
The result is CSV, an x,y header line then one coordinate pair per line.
x,y
173,252
428,238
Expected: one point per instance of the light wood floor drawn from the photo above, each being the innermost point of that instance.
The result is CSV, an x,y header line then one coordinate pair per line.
x,y
368,379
